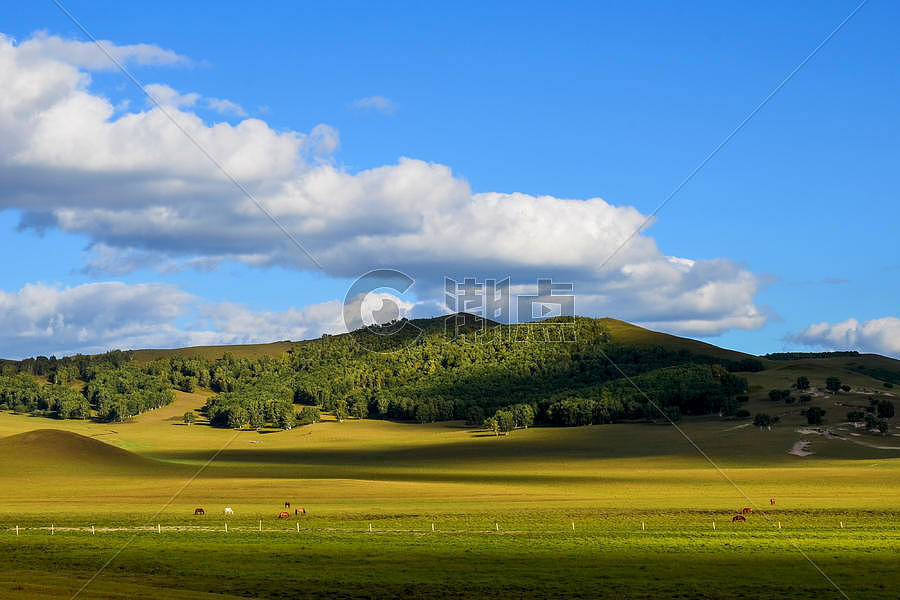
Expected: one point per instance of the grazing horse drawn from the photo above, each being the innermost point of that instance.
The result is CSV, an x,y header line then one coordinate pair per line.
x,y
738,518
772,501
284,515
199,511
299,511
287,504
747,511
229,511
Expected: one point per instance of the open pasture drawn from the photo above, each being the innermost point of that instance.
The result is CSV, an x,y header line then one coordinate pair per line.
x,y
642,502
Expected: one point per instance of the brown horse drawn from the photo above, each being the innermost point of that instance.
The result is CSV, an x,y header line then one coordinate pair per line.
x,y
747,511
300,511
284,515
199,511
287,504
772,501
738,518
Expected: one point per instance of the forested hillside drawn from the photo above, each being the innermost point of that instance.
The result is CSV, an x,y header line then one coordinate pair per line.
x,y
511,372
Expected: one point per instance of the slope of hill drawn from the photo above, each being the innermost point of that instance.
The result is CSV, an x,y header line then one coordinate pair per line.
x,y
61,451
626,333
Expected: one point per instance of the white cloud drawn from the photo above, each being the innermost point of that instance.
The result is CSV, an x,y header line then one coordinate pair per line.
x,y
376,103
44,319
142,193
88,55
167,96
226,107
881,336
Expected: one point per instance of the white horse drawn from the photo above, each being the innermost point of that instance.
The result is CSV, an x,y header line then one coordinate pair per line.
x,y
228,511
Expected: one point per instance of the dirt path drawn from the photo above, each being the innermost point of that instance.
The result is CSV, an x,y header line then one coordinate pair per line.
x,y
800,449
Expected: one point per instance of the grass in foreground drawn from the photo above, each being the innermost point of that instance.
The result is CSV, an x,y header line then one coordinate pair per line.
x,y
603,559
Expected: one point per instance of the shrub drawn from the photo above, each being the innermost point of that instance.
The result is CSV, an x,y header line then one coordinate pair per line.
x,y
763,420
814,415
308,415
742,413
888,384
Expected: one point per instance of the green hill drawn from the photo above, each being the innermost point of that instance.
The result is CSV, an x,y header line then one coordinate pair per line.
x,y
563,372
65,452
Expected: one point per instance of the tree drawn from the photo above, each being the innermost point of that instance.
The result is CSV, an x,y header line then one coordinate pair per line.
x,y
189,417
237,418
308,415
360,408
833,384
257,418
885,409
506,420
814,415
474,415
764,420
523,415
845,388
882,426
340,410
492,424
802,383
284,416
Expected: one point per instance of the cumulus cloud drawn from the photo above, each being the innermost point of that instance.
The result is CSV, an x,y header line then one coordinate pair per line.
x,y
167,96
226,107
45,319
881,336
88,55
142,193
376,103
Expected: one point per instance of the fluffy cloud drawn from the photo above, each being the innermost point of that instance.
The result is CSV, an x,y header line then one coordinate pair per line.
x,y
95,317
144,194
881,336
226,107
88,55
167,96
376,103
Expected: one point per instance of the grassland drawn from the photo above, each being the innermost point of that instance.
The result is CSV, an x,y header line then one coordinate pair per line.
x,y
401,478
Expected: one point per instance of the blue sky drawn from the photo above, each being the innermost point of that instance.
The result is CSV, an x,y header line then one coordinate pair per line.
x,y
792,224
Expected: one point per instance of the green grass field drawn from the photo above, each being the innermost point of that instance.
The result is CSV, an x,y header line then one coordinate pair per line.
x,y
502,509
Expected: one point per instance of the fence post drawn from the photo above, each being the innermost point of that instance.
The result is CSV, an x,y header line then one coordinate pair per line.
x,y
17,531
260,525
432,526
226,526
51,528
92,530
643,528
497,526
370,528
714,525
573,525
298,526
